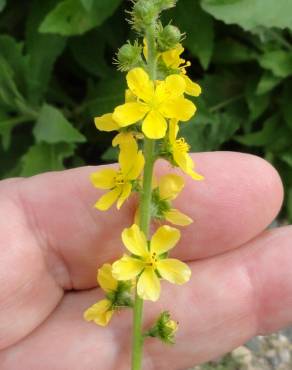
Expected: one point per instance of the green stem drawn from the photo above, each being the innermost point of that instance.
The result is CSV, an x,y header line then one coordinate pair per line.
x,y
226,102
11,122
145,210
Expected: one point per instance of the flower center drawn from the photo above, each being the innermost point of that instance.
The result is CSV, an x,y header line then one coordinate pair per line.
x,y
119,178
152,260
182,145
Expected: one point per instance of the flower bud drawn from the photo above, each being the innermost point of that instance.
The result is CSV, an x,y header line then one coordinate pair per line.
x,y
129,56
164,328
165,4
144,13
168,38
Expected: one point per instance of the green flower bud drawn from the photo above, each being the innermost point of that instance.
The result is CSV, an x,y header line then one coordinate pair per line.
x,y
129,56
122,296
144,13
164,328
165,4
158,206
168,38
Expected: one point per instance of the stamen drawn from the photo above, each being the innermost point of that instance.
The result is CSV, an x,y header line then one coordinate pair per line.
x,y
182,145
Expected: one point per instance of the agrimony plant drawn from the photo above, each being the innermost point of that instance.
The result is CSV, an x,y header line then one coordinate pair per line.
x,y
147,126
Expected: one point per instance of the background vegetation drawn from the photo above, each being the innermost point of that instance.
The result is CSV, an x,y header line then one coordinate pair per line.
x,y
56,74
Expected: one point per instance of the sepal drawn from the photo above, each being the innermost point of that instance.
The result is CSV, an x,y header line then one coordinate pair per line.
x,y
164,329
168,37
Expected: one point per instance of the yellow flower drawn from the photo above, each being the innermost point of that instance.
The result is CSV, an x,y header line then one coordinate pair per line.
x,y
155,103
180,152
106,123
169,188
164,192
102,311
172,59
119,182
147,262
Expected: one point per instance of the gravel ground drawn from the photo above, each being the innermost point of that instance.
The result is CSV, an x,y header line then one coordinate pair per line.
x,y
272,352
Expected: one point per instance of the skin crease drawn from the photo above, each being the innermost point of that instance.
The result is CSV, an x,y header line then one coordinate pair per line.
x,y
52,241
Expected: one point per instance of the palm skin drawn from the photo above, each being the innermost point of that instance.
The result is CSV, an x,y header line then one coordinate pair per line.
x,y
53,241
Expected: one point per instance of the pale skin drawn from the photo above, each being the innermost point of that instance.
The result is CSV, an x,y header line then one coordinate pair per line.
x,y
53,241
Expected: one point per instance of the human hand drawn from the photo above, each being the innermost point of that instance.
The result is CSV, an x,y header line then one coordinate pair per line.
x,y
53,241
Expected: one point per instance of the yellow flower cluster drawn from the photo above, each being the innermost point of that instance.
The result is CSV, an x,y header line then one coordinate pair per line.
x,y
152,110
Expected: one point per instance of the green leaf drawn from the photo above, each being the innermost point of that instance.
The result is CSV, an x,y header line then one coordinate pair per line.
x,y
110,155
5,130
279,62
286,105
7,124
199,27
250,14
70,17
91,59
10,158
257,104
45,157
207,130
267,83
263,137
10,97
12,52
287,158
105,96
2,4
87,4
43,51
229,51
52,127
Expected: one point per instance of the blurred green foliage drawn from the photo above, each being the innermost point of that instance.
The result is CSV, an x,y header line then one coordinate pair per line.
x,y
56,74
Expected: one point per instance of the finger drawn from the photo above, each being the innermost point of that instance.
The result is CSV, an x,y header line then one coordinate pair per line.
x,y
230,298
52,238
240,196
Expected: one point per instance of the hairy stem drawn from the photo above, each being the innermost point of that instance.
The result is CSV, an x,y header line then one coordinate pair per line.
x,y
145,214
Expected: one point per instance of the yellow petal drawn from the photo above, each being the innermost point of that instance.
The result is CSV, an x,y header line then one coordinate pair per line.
x,y
100,313
154,125
106,123
140,85
177,218
125,138
172,57
126,192
148,286
173,325
129,96
127,157
137,166
164,239
173,87
173,130
187,164
127,268
107,200
129,113
105,278
170,186
191,87
182,109
135,241
104,179
174,271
